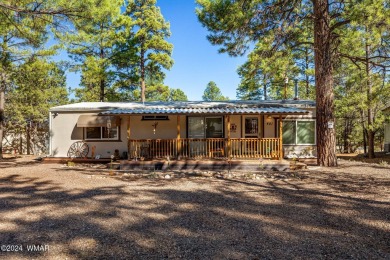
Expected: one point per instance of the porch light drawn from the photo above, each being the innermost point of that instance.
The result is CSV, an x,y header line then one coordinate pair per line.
x,y
154,127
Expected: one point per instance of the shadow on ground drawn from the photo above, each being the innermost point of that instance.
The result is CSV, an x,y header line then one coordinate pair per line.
x,y
381,158
209,219
15,162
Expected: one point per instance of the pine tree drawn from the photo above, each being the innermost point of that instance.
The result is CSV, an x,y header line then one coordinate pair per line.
x,y
266,77
237,24
24,25
37,85
91,45
213,93
148,36
177,95
367,41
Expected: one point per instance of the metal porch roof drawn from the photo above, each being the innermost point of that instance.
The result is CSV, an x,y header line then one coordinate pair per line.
x,y
207,110
182,107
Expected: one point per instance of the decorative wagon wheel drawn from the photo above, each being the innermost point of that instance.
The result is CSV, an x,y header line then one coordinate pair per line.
x,y
78,150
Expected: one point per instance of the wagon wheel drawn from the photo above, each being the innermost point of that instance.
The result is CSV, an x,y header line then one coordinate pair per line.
x,y
78,149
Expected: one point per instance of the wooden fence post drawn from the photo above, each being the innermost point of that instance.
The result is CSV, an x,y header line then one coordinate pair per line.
x,y
229,144
178,143
280,138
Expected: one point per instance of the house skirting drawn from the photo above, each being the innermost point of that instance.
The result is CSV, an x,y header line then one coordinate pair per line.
x,y
212,165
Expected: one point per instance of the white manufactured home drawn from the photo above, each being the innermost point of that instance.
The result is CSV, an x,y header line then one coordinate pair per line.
x,y
192,129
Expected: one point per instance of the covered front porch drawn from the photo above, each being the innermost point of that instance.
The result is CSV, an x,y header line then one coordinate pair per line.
x,y
205,130
207,148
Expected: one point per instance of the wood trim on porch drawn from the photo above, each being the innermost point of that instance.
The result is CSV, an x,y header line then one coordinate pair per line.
x,y
178,143
249,148
280,138
229,145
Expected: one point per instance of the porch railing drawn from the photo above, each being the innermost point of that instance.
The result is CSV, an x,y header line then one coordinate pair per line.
x,y
205,148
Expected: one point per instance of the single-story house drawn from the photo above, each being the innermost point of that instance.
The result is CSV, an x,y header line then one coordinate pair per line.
x,y
192,129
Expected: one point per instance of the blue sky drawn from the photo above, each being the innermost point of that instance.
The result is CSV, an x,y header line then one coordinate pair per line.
x,y
196,61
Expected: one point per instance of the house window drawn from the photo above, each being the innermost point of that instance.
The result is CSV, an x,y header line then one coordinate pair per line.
x,y
205,127
251,127
299,132
101,133
214,127
196,127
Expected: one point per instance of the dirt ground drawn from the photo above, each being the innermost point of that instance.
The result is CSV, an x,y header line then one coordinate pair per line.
x,y
84,212
381,158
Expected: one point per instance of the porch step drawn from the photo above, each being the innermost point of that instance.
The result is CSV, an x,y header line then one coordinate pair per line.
x,y
216,165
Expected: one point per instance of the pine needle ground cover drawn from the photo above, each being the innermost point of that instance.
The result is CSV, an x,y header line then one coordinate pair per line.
x,y
318,213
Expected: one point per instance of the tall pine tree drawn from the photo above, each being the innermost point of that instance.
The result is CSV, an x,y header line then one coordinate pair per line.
x,y
24,25
37,85
148,36
91,46
237,24
213,93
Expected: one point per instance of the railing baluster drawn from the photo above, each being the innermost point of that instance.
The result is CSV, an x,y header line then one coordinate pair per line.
x,y
205,147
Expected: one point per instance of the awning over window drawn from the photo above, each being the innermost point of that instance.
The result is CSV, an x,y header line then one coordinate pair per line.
x,y
96,121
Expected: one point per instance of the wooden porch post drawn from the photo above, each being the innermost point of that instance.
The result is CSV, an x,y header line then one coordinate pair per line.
x,y
128,138
229,145
280,138
178,143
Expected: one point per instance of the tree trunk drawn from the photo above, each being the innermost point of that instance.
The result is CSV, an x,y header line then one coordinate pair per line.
x,y
371,143
28,138
364,140
142,74
307,83
370,117
362,115
345,136
326,137
102,81
265,88
102,86
2,101
20,144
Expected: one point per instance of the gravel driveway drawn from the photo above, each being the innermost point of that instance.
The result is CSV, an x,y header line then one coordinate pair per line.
x,y
81,213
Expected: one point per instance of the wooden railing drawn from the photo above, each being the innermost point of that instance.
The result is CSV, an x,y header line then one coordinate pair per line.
x,y
205,148
255,148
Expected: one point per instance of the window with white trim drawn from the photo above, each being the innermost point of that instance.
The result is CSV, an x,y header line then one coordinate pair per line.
x,y
300,132
101,133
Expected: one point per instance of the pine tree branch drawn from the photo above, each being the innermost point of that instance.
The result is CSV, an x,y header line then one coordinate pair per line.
x,y
339,24
37,11
356,59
